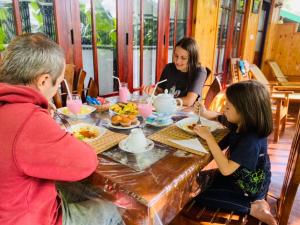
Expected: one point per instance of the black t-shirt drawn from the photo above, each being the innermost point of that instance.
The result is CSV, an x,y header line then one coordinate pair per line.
x,y
250,152
180,80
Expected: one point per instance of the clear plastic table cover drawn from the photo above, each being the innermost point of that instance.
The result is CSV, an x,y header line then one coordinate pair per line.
x,y
149,190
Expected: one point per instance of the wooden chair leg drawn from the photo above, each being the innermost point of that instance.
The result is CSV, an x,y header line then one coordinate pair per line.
x,y
285,204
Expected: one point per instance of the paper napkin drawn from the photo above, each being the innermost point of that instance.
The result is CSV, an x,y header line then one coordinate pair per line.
x,y
193,143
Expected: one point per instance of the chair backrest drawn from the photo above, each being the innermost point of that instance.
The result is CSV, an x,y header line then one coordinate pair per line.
x,y
208,72
214,97
291,180
92,89
60,97
70,74
276,71
258,75
80,84
235,70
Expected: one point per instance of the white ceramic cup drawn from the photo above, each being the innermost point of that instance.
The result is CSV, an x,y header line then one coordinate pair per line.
x,y
136,141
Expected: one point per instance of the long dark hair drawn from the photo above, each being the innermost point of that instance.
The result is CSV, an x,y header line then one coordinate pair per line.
x,y
190,45
251,100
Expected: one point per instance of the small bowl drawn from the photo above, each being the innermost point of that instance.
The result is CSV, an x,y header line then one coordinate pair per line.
x,y
103,107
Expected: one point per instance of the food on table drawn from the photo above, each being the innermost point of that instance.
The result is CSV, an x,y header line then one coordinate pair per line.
x,y
129,108
124,120
133,119
86,132
191,126
115,120
83,110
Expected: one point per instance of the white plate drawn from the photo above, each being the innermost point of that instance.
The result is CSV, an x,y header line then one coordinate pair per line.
x,y
184,123
124,128
149,147
85,111
74,129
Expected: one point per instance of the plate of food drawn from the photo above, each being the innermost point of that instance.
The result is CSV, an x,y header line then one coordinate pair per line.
x,y
120,108
124,121
84,111
189,123
86,132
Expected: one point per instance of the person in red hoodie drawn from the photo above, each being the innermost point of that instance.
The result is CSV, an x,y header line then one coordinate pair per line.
x,y
35,152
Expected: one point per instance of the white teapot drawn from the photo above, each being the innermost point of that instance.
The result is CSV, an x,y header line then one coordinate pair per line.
x,y
166,103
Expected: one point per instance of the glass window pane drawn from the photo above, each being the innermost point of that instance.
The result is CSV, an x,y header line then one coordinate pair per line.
x,y
7,23
136,43
171,32
38,16
150,39
106,23
181,19
86,38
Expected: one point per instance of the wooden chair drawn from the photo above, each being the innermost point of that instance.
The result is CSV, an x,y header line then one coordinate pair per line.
x,y
280,77
215,98
291,180
236,74
280,102
76,85
257,74
92,89
195,215
80,84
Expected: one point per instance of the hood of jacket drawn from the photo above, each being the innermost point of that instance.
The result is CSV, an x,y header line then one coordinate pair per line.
x,y
21,94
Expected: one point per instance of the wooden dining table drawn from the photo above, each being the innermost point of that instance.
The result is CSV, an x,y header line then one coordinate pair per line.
x,y
148,188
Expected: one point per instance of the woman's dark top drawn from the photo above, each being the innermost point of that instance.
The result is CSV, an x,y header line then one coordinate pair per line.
x,y
250,152
178,80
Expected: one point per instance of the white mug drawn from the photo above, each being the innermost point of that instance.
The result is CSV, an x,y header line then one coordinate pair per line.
x,y
136,141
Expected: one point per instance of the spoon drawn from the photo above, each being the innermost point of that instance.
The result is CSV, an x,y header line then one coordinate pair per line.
x,y
176,93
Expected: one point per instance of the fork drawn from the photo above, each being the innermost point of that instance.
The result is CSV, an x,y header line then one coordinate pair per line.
x,y
64,121
199,119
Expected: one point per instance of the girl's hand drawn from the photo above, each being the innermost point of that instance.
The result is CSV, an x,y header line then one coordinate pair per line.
x,y
148,89
203,132
199,108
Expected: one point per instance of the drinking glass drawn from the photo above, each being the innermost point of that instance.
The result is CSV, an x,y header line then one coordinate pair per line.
x,y
74,103
123,92
145,109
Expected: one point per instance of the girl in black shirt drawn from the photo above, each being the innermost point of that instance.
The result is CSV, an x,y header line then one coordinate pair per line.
x,y
242,179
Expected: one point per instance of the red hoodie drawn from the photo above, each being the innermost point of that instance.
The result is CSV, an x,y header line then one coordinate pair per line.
x,y
35,152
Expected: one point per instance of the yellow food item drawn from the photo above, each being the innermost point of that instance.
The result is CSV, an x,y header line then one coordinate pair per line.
x,y
129,108
84,110
86,133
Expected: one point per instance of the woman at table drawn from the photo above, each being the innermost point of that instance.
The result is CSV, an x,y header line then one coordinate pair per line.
x,y
185,74
242,179
35,152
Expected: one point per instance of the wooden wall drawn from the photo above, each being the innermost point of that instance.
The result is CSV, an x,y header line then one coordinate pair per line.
x,y
249,33
205,31
284,49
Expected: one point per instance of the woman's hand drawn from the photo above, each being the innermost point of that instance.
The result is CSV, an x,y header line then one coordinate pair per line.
x,y
203,132
148,89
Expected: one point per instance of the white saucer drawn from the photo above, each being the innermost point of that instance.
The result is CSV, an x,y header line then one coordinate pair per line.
x,y
149,147
125,128
157,124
